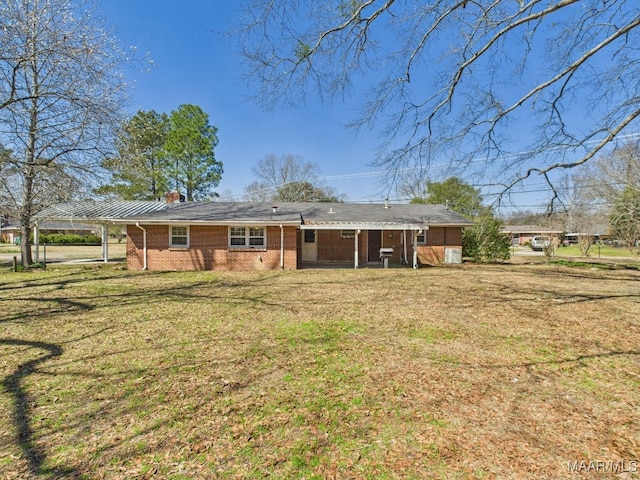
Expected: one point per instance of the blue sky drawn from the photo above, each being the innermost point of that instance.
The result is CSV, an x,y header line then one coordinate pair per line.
x,y
195,63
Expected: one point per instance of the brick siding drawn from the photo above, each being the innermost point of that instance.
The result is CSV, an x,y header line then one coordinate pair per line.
x,y
333,248
208,250
439,238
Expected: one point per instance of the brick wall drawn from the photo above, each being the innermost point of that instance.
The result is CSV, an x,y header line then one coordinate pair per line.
x,y
438,238
208,250
394,239
333,248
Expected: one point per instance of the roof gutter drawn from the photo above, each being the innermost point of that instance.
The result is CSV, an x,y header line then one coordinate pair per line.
x,y
363,226
223,223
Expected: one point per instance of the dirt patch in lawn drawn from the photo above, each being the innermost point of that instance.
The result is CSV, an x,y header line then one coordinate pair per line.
x,y
514,371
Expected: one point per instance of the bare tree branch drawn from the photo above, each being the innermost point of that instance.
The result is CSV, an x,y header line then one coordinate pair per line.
x,y
505,88
61,94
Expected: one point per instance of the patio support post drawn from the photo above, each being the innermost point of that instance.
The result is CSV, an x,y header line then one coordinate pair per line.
x,y
281,247
355,256
415,249
404,244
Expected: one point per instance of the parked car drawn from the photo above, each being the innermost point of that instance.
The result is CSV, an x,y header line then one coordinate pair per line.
x,y
539,243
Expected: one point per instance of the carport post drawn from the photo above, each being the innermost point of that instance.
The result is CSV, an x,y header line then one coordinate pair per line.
x,y
105,243
36,240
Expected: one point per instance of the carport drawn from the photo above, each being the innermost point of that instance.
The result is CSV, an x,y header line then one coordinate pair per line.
x,y
102,214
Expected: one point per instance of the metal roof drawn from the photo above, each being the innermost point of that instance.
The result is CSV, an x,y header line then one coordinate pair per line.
x,y
92,211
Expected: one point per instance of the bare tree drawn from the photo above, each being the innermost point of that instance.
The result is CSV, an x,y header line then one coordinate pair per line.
x,y
62,92
614,172
413,186
615,180
625,219
288,178
276,171
582,214
523,87
259,192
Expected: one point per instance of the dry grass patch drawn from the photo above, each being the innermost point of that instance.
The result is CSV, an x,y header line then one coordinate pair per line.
x,y
474,372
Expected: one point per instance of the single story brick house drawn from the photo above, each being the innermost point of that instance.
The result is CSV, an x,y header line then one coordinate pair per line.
x,y
284,236
521,234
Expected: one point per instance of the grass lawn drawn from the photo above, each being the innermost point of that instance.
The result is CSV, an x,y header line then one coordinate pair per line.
x,y
514,371
9,248
595,251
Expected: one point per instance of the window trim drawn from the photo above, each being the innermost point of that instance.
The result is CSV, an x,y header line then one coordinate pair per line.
x,y
248,236
172,236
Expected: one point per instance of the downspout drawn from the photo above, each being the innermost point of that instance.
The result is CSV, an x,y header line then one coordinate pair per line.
x,y
404,244
144,246
281,247
415,247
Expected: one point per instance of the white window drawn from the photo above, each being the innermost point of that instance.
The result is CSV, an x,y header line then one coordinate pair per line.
x,y
422,238
347,233
247,237
179,237
237,237
256,237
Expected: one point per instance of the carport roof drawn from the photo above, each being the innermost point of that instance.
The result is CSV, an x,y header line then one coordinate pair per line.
x,y
93,211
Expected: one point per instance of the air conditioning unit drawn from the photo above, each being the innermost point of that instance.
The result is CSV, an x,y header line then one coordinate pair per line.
x,y
452,255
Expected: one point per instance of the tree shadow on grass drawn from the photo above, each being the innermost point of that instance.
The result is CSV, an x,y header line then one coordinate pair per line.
x,y
578,359
12,384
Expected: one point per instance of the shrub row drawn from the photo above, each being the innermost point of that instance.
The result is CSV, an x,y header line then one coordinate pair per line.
x,y
69,239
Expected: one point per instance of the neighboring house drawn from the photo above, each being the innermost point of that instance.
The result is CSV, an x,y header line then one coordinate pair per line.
x,y
11,233
521,234
595,233
250,236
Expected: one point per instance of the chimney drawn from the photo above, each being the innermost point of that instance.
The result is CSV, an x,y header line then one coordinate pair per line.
x,y
386,202
173,197
274,209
